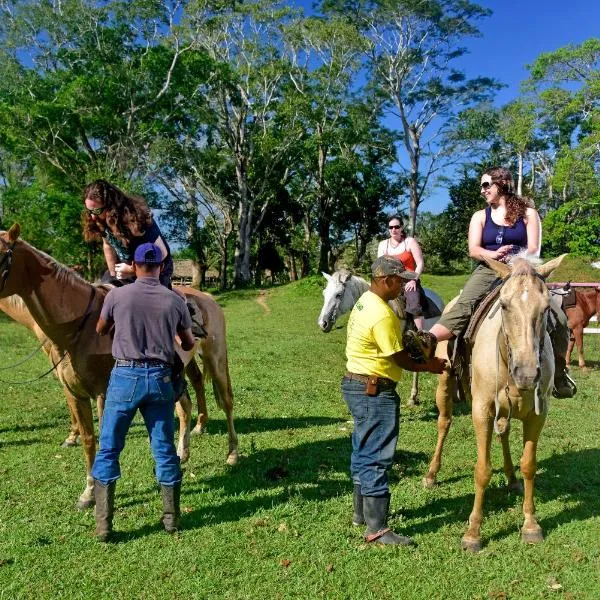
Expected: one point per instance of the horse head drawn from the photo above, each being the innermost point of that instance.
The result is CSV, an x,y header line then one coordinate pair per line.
x,y
337,300
8,239
524,305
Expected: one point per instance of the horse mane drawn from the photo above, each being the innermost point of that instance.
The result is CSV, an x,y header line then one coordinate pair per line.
x,y
521,266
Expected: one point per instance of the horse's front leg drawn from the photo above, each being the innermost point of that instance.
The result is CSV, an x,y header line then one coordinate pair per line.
x,y
578,334
531,533
483,473
183,408
444,399
414,392
82,409
73,436
195,377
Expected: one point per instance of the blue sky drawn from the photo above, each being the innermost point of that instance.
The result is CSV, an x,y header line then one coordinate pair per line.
x,y
514,36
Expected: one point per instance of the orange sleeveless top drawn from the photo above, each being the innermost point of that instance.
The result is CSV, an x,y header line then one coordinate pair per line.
x,y
406,257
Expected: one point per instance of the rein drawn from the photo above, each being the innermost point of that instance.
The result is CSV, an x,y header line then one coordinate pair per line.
x,y
86,315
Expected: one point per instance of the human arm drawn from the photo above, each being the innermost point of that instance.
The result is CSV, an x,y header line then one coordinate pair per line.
x,y
534,232
476,250
187,338
415,250
103,326
433,365
110,256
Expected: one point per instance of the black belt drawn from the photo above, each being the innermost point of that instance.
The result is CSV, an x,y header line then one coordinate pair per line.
x,y
141,364
384,382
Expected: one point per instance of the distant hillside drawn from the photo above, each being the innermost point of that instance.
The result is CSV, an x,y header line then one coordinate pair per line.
x,y
576,268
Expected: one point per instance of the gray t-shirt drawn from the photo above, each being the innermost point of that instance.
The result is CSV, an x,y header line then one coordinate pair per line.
x,y
147,316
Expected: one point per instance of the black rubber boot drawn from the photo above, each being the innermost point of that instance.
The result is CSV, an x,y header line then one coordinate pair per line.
x,y
564,386
376,510
105,507
198,329
171,511
358,517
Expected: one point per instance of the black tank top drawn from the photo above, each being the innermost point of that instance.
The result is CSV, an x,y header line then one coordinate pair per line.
x,y
495,236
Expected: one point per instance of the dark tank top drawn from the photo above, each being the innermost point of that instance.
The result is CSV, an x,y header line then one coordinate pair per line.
x,y
495,236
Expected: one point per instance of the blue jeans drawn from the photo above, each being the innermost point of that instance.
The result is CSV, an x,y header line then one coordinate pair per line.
x,y
376,427
150,390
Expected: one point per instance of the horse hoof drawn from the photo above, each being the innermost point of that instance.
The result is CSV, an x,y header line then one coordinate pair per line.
x,y
429,483
413,402
515,486
69,443
198,430
184,457
232,459
534,536
85,504
471,544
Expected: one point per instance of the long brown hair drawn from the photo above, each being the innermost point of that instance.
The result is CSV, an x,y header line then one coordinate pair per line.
x,y
126,214
516,206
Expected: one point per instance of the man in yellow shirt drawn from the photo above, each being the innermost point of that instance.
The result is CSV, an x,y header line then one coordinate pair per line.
x,y
375,361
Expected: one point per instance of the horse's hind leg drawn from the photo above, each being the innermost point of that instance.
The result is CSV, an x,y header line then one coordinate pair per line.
x,y
414,392
183,408
444,400
513,484
531,533
194,375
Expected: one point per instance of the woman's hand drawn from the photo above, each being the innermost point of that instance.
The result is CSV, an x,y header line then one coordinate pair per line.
x,y
410,285
502,253
123,270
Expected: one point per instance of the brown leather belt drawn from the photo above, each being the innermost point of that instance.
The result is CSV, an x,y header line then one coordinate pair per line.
x,y
382,382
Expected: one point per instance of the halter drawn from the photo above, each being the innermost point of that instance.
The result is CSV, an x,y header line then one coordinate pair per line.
x,y
6,259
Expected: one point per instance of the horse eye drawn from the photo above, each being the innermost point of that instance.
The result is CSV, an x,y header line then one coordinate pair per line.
x,y
339,295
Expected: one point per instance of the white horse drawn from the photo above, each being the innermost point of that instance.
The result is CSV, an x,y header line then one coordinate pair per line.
x,y
342,291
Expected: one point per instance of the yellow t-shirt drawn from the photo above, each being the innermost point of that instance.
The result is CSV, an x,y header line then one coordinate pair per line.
x,y
373,336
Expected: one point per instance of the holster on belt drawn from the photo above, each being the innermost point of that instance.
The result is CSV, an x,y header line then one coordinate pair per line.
x,y
373,383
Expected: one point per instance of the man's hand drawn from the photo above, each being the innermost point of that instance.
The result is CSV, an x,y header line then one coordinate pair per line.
x,y
435,365
123,270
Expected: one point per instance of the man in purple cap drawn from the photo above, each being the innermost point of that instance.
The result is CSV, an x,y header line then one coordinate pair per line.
x,y
146,316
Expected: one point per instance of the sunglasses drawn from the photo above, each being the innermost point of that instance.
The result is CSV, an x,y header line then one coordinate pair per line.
x,y
95,211
486,185
395,227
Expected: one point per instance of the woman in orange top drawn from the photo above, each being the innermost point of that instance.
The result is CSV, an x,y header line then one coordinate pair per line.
x,y
408,251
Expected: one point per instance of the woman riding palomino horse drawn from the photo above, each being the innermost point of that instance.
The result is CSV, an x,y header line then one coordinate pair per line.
x,y
509,225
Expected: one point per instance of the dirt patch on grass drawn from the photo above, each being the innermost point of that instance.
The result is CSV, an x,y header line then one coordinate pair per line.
x,y
262,300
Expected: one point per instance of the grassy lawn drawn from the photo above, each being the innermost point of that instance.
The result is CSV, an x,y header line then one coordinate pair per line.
x,y
277,525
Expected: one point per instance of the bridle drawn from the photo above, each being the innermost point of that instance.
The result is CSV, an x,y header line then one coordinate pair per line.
x,y
6,262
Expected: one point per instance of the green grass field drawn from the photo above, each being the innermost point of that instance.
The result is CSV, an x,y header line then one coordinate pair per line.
x,y
277,525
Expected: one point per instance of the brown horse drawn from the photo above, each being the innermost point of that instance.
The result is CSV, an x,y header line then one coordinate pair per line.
x,y
66,308
512,376
587,305
15,308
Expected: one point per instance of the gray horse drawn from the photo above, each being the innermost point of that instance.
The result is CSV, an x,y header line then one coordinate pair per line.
x,y
342,291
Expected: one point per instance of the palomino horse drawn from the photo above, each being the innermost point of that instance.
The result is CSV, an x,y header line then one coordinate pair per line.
x,y
15,308
341,293
512,375
588,305
66,308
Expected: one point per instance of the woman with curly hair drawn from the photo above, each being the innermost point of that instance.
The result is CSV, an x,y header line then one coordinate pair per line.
x,y
123,222
508,225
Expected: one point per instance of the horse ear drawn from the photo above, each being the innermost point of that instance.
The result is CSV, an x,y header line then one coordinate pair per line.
x,y
326,275
502,270
14,232
547,268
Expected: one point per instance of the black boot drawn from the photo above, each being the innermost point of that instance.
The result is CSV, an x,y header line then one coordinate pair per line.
x,y
376,514
358,517
564,386
171,511
105,506
198,329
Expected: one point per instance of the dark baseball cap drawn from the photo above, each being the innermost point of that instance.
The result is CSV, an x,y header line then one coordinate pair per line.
x,y
148,254
386,265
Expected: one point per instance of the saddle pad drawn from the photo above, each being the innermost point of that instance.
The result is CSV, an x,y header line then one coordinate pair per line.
x,y
569,300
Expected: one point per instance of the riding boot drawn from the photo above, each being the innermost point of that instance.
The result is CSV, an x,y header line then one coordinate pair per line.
x,y
171,511
358,517
376,510
105,506
564,386
198,329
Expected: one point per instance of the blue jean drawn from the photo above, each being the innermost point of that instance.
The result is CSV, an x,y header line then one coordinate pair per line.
x,y
376,427
150,390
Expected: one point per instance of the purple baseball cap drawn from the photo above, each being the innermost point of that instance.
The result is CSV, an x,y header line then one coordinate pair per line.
x,y
148,254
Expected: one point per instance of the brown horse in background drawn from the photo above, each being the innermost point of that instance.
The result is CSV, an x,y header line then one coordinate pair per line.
x,y
512,376
66,308
587,305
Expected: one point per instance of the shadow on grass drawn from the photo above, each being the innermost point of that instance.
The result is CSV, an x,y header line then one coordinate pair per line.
x,y
50,424
249,425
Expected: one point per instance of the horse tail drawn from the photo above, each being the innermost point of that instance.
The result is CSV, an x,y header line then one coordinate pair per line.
x,y
221,385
